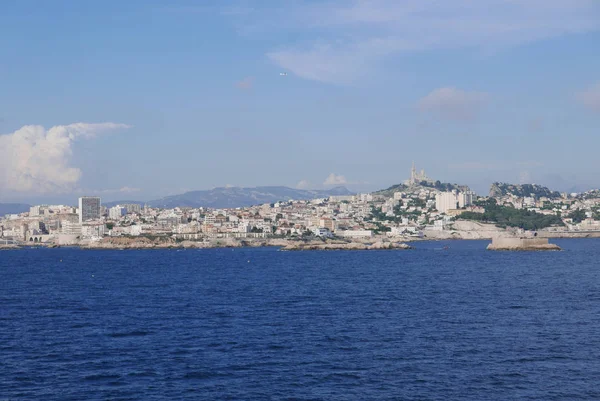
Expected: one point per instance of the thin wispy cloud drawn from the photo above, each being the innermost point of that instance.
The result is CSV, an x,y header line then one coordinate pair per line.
x,y
591,97
33,159
453,103
348,39
245,84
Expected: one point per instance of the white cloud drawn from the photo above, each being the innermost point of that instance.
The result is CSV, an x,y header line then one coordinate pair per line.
x,y
129,189
303,184
591,97
351,37
33,159
334,179
122,190
452,103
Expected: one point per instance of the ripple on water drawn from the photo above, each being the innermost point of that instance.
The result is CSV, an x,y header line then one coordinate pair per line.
x,y
465,324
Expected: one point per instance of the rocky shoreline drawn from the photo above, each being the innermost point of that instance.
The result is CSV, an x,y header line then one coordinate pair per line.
x,y
354,246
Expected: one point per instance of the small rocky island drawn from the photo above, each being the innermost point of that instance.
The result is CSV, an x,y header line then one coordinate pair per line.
x,y
522,244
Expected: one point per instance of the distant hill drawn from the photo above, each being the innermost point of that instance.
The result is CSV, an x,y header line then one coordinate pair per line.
x,y
13,208
499,189
232,197
123,202
440,186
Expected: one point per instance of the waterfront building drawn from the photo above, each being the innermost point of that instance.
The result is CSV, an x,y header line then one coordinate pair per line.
x,y
92,231
70,228
355,234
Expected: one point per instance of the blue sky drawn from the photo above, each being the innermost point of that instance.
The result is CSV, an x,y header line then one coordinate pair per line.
x,y
188,95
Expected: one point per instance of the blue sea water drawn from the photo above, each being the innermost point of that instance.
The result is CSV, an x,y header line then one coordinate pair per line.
x,y
259,324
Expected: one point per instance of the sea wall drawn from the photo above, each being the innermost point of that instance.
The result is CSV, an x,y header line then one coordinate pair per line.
x,y
521,244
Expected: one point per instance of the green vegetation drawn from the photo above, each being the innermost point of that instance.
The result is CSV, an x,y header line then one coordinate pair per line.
x,y
440,186
381,228
507,216
110,226
500,189
390,191
577,215
378,215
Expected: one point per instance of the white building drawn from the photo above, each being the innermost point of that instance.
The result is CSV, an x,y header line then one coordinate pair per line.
x,y
341,198
37,210
445,201
92,231
355,234
70,228
133,208
116,212
322,232
89,208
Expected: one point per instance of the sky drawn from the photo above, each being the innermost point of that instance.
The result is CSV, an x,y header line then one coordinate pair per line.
x,y
141,99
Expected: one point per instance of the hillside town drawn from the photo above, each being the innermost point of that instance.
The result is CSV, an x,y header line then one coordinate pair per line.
x,y
420,208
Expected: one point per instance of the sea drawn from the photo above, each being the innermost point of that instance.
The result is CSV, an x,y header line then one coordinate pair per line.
x,y
445,321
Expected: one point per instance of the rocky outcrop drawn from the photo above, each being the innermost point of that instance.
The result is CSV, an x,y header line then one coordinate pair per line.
x,y
132,243
332,246
522,244
5,247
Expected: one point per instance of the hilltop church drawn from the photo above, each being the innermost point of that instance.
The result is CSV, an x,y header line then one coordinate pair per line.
x,y
417,177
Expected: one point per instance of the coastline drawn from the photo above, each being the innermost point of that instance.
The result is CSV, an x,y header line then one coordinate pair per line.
x,y
461,230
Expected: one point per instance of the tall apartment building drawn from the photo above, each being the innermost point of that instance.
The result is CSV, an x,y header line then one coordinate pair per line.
x,y
116,212
445,201
89,208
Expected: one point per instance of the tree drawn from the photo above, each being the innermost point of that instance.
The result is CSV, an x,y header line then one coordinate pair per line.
x,y
110,226
577,216
508,216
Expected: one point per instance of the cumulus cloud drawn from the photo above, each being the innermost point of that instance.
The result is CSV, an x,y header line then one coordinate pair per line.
x,y
453,103
334,179
245,84
591,97
33,159
303,184
346,39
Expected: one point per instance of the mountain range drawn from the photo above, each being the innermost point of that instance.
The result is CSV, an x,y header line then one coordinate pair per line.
x,y
13,208
232,197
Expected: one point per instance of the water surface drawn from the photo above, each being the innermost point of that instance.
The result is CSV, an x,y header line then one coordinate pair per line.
x,y
259,324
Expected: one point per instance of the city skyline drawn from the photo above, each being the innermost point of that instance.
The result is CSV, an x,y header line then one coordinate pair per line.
x,y
305,94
